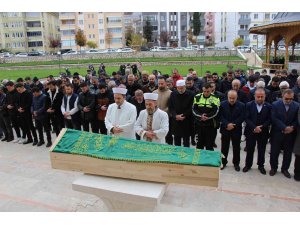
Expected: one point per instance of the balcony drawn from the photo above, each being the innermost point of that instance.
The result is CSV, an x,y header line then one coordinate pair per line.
x,y
243,32
64,16
243,21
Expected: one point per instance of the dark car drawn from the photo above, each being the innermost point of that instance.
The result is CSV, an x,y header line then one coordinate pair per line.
x,y
145,48
34,54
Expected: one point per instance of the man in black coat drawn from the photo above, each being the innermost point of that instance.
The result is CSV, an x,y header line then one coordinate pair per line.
x,y
132,85
225,85
258,121
283,133
232,113
180,107
25,116
5,123
86,106
12,98
53,107
242,95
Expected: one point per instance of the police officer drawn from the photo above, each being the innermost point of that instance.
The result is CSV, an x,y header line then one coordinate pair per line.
x,y
205,110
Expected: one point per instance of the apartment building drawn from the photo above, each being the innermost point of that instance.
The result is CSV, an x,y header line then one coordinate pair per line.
x,y
230,25
103,28
28,31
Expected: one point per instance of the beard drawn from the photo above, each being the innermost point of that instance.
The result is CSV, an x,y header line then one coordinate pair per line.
x,y
162,88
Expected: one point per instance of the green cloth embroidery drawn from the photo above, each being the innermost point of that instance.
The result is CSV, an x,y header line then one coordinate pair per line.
x,y
115,148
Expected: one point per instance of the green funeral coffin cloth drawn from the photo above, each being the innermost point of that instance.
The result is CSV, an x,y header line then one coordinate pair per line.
x,y
117,148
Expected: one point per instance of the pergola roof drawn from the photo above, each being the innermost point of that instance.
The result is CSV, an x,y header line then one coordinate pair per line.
x,y
283,19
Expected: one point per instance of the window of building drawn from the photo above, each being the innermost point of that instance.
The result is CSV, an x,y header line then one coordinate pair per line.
x,y
267,16
90,36
101,41
93,26
34,24
32,14
242,27
116,40
100,21
35,43
255,16
273,16
115,30
94,36
183,28
80,22
101,31
68,32
88,15
162,18
67,43
155,28
93,16
7,35
113,19
255,37
34,33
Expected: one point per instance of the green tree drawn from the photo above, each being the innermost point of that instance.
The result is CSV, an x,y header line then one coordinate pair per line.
x,y
164,38
128,35
238,42
196,23
137,41
148,29
91,44
80,38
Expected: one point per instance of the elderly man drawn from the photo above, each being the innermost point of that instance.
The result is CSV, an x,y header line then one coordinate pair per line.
x,y
276,95
180,106
283,134
258,120
121,115
132,85
232,113
242,95
152,124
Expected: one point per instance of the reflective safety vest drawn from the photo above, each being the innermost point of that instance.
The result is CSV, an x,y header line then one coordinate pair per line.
x,y
209,102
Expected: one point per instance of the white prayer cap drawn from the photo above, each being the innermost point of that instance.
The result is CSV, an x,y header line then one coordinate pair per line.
x,y
180,83
121,91
260,84
151,96
284,84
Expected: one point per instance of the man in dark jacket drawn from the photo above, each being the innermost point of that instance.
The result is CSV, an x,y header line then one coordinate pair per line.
x,y
25,116
38,110
226,82
4,118
53,107
132,85
180,107
242,95
103,99
12,98
293,77
258,121
283,133
86,106
232,113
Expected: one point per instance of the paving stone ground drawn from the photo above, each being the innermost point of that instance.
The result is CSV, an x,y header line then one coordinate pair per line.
x,y
29,184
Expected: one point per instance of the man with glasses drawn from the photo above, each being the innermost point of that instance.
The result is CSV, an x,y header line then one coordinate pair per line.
x,y
283,133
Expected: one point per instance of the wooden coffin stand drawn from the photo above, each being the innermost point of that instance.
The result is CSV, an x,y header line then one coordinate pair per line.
x,y
130,186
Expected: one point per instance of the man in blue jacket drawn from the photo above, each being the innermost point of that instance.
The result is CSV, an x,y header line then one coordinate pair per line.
x,y
258,121
232,114
283,133
38,110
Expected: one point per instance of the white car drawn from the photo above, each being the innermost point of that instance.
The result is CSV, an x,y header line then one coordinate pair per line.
x,y
244,48
22,54
110,50
72,52
125,50
178,49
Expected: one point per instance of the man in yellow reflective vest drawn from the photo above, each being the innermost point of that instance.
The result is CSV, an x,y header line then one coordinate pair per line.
x,y
205,110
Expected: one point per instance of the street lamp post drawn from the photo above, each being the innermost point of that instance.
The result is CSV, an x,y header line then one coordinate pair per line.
x,y
59,55
201,54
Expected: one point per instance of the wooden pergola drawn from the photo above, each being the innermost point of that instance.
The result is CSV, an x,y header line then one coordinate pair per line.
x,y
285,27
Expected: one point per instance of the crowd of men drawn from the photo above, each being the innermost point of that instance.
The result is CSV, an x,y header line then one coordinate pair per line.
x,y
167,109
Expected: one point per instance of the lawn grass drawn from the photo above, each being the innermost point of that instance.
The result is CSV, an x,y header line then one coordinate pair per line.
x,y
183,69
125,60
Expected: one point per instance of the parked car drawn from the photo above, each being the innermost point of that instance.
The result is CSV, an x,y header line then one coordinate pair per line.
x,y
243,48
125,50
160,49
5,55
72,52
109,50
92,51
178,49
22,54
145,48
34,54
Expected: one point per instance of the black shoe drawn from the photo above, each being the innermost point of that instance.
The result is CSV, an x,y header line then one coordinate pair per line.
x,y
27,142
245,149
4,139
297,178
193,142
40,143
246,169
262,170
273,172
49,144
35,143
286,173
237,168
223,166
9,139
215,145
